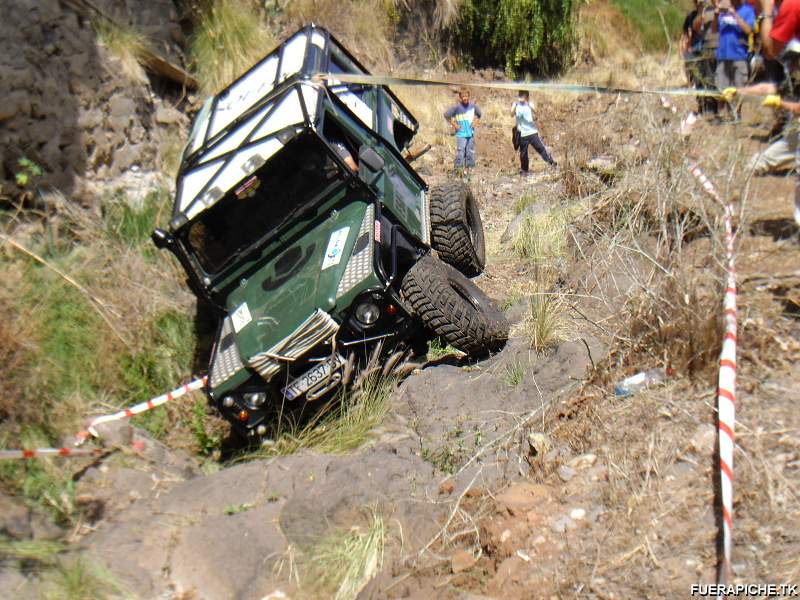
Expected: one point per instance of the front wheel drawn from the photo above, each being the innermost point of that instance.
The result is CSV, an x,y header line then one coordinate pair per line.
x,y
454,308
456,228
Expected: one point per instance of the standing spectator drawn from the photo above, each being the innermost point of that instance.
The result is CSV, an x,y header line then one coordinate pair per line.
x,y
776,33
778,26
707,65
735,22
522,110
691,45
462,118
782,79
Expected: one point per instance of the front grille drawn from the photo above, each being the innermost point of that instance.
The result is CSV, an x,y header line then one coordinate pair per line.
x,y
227,361
317,328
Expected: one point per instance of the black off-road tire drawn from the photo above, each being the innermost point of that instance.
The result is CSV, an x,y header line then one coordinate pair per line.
x,y
456,228
454,308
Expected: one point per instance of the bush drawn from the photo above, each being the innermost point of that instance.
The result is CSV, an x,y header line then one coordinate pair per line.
x,y
536,36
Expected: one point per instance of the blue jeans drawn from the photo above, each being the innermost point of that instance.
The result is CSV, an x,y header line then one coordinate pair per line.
x,y
465,152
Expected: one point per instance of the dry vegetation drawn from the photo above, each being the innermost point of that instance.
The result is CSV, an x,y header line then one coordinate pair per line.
x,y
642,267
94,318
126,45
229,37
340,564
337,427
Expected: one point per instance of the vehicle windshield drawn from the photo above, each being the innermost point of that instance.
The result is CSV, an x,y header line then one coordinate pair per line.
x,y
263,203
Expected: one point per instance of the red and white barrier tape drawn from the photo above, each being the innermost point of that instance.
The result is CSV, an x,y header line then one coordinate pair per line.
x,y
136,445
687,122
138,409
726,390
41,452
90,431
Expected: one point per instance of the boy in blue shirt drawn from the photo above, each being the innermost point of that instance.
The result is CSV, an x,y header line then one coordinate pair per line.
x,y
522,110
462,118
735,23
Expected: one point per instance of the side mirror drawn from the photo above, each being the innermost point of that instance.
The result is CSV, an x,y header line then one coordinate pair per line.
x,y
162,239
370,159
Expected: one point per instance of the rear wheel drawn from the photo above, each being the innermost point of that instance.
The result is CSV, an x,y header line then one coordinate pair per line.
x,y
454,308
456,228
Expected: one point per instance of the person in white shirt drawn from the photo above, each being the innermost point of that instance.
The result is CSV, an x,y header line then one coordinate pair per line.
x,y
522,110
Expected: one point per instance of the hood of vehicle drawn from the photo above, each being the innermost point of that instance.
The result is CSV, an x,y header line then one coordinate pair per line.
x,y
310,275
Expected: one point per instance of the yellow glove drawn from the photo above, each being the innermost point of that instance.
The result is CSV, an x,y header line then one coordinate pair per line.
x,y
728,94
772,101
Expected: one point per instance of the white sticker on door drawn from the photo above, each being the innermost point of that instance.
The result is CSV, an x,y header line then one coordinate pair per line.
x,y
241,317
333,254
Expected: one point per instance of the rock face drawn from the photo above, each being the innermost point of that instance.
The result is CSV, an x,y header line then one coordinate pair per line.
x,y
66,105
165,529
219,537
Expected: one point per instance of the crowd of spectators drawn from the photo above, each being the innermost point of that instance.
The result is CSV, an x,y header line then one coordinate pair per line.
x,y
752,49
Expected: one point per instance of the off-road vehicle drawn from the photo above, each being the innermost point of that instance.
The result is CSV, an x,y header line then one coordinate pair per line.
x,y
299,218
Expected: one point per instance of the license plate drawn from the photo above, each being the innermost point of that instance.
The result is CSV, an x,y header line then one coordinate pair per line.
x,y
312,377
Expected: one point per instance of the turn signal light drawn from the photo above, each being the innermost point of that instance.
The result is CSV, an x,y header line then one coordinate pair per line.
x,y
244,416
391,309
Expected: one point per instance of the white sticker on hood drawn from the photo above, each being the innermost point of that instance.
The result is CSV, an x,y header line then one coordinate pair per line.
x,y
241,317
333,255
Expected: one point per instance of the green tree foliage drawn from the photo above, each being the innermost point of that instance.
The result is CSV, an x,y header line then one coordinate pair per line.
x,y
535,36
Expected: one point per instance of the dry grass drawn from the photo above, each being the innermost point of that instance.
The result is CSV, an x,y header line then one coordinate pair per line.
x,y
605,35
343,562
344,424
446,12
229,37
125,44
637,236
77,579
363,26
541,244
545,323
41,551
170,152
542,238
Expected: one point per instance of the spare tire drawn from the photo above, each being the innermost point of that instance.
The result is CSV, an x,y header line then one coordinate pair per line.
x,y
456,227
454,308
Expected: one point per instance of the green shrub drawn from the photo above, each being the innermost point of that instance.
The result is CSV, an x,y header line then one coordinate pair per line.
x,y
536,36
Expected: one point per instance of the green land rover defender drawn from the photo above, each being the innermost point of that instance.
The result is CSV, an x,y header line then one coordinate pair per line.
x,y
299,219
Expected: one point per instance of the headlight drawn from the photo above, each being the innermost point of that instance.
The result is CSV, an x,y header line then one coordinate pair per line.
x,y
255,398
367,313
228,401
